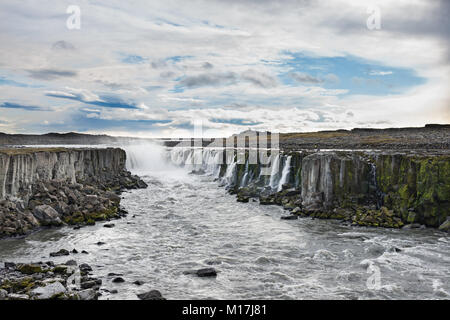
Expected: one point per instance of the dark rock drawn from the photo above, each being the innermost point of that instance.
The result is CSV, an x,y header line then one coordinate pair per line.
x,y
84,252
112,274
10,265
118,280
62,252
91,284
151,295
85,267
29,268
109,225
74,251
138,282
100,243
292,217
207,272
71,263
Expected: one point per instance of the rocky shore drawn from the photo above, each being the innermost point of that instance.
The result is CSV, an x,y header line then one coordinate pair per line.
x,y
47,280
58,186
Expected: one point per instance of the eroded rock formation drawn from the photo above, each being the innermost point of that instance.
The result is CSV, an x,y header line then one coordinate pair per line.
x,y
56,186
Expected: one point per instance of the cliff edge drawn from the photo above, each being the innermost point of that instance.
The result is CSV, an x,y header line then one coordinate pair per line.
x,y
57,186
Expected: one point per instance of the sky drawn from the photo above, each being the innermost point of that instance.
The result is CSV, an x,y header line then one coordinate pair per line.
x,y
159,68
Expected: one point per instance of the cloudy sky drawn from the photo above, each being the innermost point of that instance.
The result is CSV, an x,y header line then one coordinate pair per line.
x,y
155,68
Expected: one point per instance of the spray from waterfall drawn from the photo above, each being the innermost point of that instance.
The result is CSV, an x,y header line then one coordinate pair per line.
x,y
152,159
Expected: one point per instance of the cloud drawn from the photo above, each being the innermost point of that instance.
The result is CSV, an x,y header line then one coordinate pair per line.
x,y
208,79
259,79
10,105
158,64
167,74
8,82
380,73
92,99
51,74
215,60
331,78
207,66
305,78
63,45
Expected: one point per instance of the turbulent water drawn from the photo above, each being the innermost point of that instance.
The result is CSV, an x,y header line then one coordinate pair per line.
x,y
187,221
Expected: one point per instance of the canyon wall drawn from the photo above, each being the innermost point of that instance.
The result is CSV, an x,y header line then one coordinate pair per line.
x,y
384,188
55,186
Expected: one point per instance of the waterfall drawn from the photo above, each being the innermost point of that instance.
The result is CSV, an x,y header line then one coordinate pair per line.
x,y
285,173
379,196
230,174
245,177
274,175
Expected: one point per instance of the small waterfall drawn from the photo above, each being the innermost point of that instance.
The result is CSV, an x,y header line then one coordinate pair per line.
x,y
245,177
379,196
274,175
285,173
230,175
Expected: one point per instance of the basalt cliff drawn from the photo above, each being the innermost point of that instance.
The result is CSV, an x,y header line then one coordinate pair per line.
x,y
58,186
369,188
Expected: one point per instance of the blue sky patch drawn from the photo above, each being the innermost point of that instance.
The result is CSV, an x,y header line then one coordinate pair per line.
x,y
357,75
133,59
107,101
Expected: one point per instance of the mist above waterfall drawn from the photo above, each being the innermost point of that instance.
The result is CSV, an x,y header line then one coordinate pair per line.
x,y
151,159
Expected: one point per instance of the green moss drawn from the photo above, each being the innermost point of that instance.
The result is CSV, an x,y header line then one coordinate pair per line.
x,y
20,285
76,218
29,268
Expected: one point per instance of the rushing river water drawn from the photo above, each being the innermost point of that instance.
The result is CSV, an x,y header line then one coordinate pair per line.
x,y
185,222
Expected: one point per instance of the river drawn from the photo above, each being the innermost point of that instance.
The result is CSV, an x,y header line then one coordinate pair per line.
x,y
186,222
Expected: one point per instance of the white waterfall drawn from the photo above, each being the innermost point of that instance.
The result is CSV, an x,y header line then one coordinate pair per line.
x,y
230,174
210,161
285,173
245,177
273,183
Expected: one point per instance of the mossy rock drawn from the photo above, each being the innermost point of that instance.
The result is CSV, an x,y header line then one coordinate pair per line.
x,y
19,285
29,268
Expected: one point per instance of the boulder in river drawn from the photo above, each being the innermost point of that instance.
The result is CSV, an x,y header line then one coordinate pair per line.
x,y
118,280
151,295
62,252
207,272
292,217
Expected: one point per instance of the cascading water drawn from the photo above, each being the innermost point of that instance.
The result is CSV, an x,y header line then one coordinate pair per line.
x,y
274,175
245,177
285,173
379,195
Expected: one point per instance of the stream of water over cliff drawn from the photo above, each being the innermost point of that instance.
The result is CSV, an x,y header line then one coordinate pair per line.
x,y
187,221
